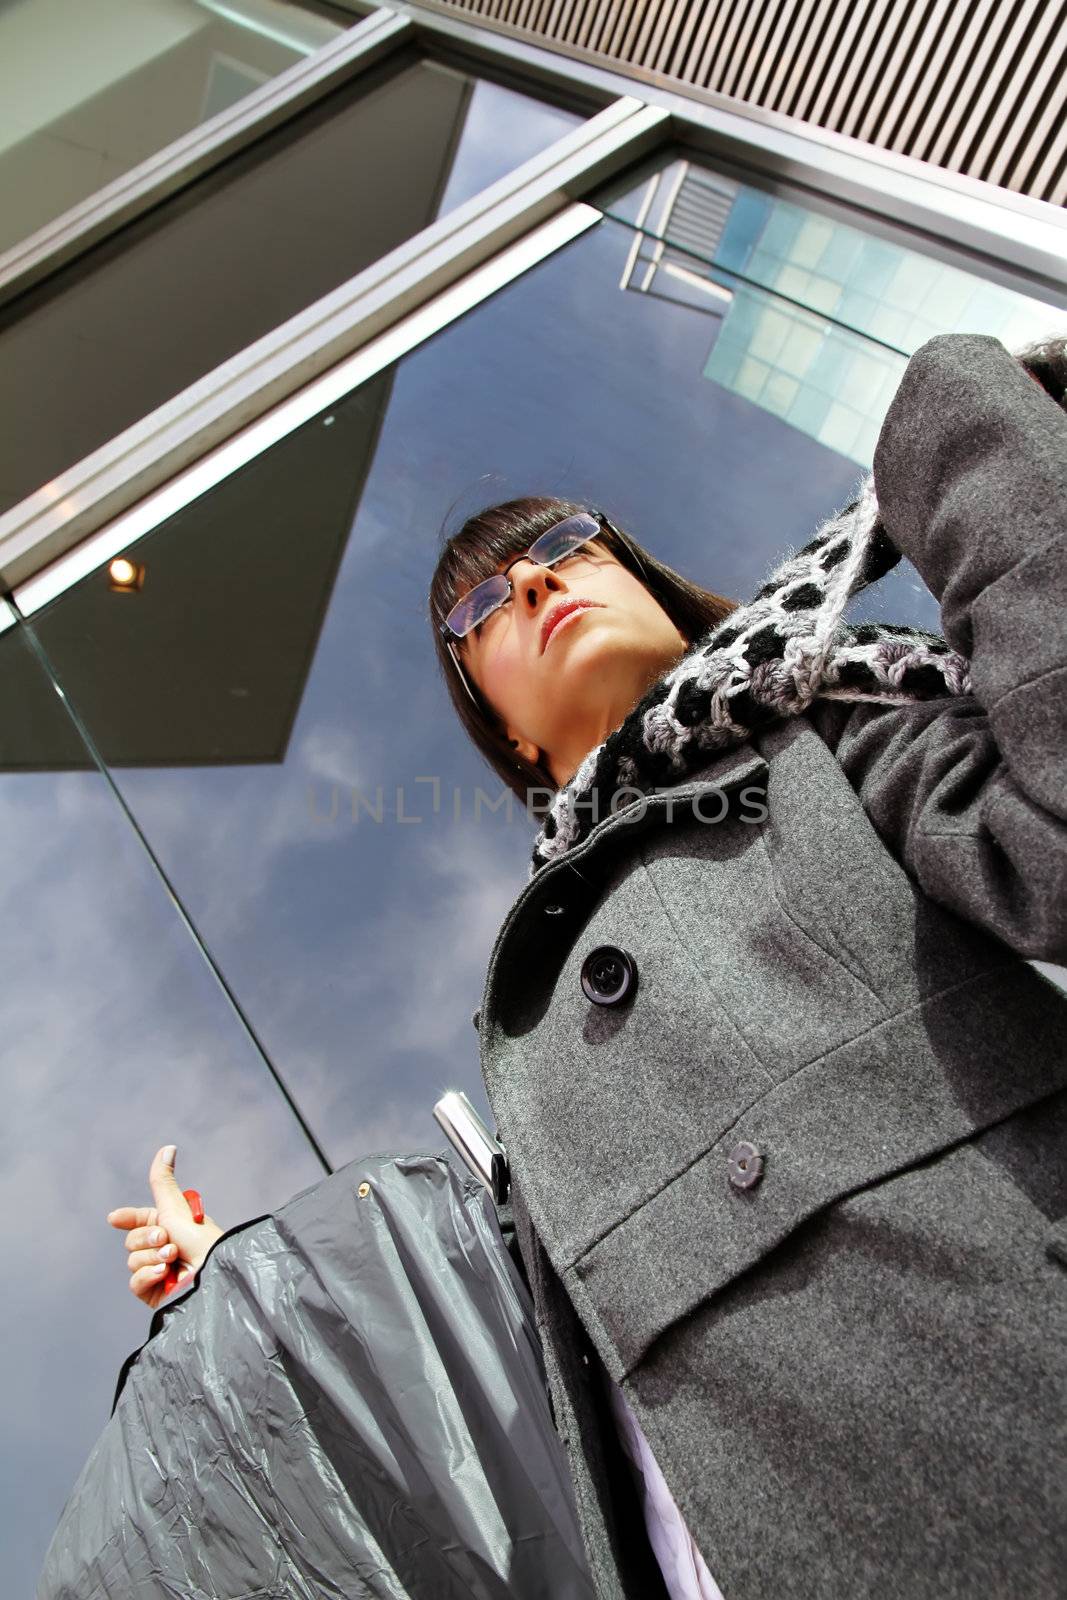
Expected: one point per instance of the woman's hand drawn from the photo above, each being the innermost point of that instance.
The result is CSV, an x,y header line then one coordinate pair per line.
x,y
163,1235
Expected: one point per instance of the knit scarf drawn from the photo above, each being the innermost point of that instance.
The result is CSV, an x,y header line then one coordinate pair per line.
x,y
770,659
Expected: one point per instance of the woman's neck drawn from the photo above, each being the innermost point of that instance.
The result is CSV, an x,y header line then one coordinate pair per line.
x,y
586,734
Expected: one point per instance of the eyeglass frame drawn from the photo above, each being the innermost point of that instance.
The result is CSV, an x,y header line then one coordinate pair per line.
x,y
449,634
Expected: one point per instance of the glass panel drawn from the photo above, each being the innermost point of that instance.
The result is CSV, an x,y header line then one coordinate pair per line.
x,y
151,310
818,315
117,1037
79,106
269,704
269,707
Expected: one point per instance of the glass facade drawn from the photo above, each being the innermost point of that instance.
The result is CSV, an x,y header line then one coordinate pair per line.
x,y
818,316
82,102
148,311
246,841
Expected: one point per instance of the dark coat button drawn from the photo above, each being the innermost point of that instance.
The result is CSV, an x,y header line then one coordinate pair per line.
x,y
477,1017
609,975
745,1165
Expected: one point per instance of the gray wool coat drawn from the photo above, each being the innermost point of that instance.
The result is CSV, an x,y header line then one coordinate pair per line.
x,y
852,1372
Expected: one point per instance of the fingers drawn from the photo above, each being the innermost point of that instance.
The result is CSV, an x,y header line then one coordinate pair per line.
x,y
147,1238
165,1191
147,1283
153,1254
132,1216
149,1258
148,1247
162,1240
146,1279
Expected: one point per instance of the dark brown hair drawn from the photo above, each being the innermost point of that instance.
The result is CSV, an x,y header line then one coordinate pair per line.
x,y
509,529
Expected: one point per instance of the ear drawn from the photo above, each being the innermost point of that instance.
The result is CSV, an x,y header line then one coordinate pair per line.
x,y
525,748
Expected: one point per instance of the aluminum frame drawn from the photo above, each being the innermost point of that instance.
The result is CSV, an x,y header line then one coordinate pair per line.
x,y
908,192
197,152
209,469
165,441
976,221
1007,237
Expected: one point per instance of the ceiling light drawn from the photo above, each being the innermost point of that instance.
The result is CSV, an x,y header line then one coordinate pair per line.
x,y
124,575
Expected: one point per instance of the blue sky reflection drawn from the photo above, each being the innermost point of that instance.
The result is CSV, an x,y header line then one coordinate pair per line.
x,y
359,947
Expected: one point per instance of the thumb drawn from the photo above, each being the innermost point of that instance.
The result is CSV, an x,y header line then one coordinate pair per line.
x,y
162,1182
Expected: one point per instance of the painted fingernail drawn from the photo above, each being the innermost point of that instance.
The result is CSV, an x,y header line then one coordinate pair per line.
x,y
169,1153
156,1236
155,1271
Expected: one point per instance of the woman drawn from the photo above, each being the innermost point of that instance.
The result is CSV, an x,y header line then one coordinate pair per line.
x,y
784,1108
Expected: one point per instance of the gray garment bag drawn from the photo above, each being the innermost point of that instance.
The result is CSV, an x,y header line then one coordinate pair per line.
x,y
349,1402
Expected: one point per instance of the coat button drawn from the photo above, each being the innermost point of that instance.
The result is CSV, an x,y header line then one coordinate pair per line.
x,y
609,975
477,1017
745,1165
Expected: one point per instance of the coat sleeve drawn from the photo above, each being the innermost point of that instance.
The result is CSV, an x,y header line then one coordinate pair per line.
x,y
970,793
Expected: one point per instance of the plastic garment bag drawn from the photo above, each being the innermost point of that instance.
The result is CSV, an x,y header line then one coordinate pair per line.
x,y
349,1402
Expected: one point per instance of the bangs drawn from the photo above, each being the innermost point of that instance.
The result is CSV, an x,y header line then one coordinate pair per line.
x,y
486,540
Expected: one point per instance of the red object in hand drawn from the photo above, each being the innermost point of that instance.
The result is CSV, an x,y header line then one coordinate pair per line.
x,y
196,1206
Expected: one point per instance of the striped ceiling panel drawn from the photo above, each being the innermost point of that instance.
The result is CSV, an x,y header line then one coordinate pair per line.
x,y
976,86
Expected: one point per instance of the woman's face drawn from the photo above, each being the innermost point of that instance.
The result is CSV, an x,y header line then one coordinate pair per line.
x,y
561,683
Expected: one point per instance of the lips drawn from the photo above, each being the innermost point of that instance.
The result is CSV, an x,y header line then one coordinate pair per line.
x,y
557,614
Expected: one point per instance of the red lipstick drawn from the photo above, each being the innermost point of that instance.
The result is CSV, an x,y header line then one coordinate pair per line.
x,y
561,609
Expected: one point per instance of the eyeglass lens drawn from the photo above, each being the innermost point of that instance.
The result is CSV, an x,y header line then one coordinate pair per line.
x,y
547,549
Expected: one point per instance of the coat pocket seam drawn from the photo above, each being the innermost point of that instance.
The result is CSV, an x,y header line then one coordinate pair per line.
x,y
837,955
756,1060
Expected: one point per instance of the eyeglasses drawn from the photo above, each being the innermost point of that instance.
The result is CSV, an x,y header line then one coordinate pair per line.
x,y
547,550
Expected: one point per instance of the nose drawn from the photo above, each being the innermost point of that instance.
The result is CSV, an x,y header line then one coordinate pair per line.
x,y
532,585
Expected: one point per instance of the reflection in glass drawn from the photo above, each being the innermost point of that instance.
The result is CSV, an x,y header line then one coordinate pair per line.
x,y
152,309
80,106
269,705
818,316
116,1039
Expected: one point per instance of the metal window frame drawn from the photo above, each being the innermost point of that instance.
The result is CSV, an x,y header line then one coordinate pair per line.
x,y
204,147
340,379
177,434
1009,238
